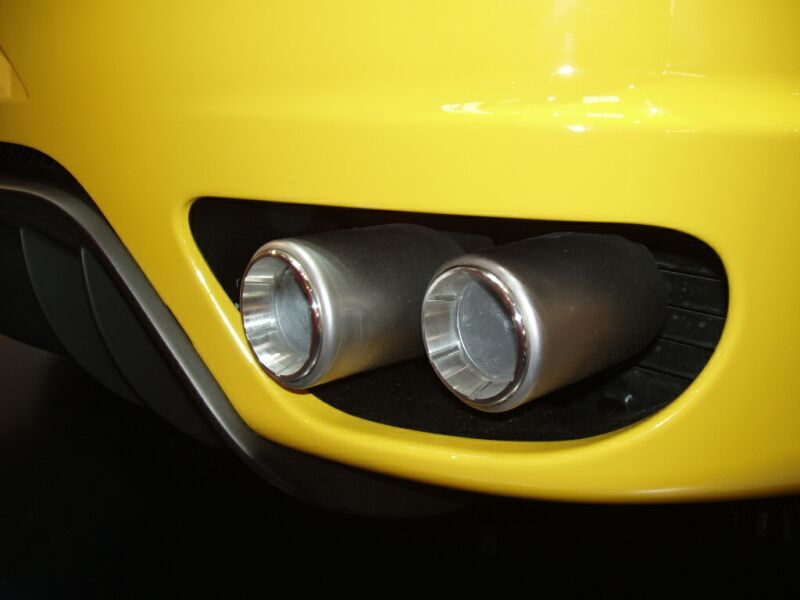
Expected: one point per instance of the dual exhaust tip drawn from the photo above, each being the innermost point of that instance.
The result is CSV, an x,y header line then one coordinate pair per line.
x,y
500,325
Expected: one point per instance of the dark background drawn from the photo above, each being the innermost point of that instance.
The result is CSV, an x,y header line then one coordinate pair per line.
x,y
99,498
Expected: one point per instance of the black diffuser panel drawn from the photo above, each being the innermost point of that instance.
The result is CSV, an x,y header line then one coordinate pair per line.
x,y
63,298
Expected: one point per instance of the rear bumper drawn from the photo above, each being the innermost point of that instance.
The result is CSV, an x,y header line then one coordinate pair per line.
x,y
676,136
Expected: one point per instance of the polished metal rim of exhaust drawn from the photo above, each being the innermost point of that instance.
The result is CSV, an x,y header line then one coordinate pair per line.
x,y
500,326
281,314
475,335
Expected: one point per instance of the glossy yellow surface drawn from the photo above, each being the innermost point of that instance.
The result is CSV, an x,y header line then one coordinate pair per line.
x,y
682,113
10,86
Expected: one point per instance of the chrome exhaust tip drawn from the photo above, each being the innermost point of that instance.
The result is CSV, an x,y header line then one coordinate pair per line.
x,y
281,314
474,334
511,324
324,306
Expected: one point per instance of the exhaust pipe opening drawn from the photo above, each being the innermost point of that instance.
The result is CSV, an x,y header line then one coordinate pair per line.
x,y
474,334
281,315
513,323
325,306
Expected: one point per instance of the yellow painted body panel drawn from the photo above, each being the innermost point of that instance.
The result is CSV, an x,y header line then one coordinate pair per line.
x,y
682,114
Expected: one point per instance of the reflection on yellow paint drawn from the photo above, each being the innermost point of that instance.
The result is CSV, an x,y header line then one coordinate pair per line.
x,y
600,99
5,77
10,85
473,108
598,115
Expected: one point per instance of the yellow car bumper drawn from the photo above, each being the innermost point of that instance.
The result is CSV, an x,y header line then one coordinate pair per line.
x,y
682,115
